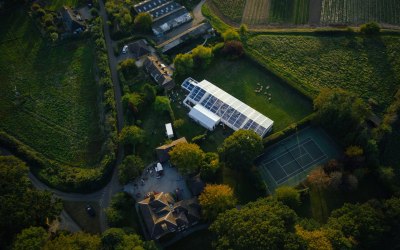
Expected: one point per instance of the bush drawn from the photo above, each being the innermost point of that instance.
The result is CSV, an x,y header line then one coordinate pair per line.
x,y
233,49
179,123
371,28
143,22
230,35
288,196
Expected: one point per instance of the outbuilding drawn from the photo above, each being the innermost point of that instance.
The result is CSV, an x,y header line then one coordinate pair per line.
x,y
169,131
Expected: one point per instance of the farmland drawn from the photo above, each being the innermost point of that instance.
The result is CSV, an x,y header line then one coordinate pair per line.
x,y
368,67
49,102
289,11
232,9
360,11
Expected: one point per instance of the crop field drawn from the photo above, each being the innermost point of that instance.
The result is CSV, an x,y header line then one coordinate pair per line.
x,y
289,11
48,97
367,67
232,9
360,11
256,12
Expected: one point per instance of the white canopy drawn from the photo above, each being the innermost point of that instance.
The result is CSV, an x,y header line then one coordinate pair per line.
x,y
159,167
205,117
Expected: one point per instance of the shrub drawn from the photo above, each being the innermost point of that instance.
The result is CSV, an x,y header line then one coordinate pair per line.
x,y
230,35
288,196
143,22
233,48
179,123
371,28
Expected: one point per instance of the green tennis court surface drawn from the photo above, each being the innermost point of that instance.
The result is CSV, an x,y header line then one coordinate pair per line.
x,y
289,161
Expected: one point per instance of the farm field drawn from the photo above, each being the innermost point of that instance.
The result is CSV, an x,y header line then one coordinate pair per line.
x,y
367,67
289,11
55,111
360,11
232,9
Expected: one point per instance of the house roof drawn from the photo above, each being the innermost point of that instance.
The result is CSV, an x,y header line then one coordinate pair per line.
x,y
162,151
162,214
159,71
139,48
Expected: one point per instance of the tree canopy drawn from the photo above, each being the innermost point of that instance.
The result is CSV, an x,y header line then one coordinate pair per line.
x,y
215,199
230,35
162,104
210,167
264,224
239,150
202,56
143,22
288,196
132,167
183,64
187,157
131,135
22,206
75,241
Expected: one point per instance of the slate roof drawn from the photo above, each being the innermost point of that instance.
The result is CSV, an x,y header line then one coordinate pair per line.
x,y
159,71
163,215
139,48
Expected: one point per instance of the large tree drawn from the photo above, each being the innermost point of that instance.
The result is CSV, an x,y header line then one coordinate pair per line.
x,y
162,104
131,135
32,238
183,64
187,157
288,196
239,150
22,206
342,113
143,22
316,239
209,168
75,241
264,224
215,199
202,56
131,168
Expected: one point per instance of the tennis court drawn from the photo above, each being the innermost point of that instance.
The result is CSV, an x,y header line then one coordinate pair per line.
x,y
289,161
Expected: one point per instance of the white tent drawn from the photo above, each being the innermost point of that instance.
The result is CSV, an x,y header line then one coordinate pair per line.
x,y
159,167
205,117
169,131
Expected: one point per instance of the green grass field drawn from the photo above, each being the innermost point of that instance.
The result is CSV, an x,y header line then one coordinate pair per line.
x,y
367,67
360,11
56,112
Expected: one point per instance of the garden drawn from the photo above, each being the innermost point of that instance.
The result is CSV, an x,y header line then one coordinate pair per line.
x,y
368,67
50,102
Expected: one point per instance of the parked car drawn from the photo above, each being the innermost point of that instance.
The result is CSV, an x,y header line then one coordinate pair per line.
x,y
125,49
90,210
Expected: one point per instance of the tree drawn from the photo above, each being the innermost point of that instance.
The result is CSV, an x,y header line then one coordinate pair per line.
x,y
131,135
74,241
354,157
22,205
119,213
288,196
363,222
341,113
233,48
131,168
143,22
149,93
202,56
32,238
316,239
162,104
239,150
215,199
112,237
264,224
318,178
210,167
332,166
243,29
183,64
230,35
371,28
54,36
133,101
118,239
128,68
187,157
179,123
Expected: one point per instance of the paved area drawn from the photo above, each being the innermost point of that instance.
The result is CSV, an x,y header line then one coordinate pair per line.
x,y
169,182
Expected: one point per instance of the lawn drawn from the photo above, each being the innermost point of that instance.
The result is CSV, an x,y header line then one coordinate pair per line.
x,y
77,211
56,108
360,11
240,78
369,67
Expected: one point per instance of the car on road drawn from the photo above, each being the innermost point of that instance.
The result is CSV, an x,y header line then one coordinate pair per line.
x,y
125,49
90,210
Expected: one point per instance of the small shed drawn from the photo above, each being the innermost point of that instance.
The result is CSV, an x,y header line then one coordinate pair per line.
x,y
169,131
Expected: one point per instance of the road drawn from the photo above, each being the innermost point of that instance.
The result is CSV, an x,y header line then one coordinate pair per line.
x,y
103,196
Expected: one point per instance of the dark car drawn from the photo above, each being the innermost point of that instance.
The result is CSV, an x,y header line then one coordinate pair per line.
x,y
90,210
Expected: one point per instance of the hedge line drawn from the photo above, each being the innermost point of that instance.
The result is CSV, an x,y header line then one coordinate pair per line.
x,y
291,129
69,178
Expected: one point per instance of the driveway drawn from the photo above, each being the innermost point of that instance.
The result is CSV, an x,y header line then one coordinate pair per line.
x,y
169,182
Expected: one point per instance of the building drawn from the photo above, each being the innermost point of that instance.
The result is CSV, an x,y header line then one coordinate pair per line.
x,y
168,130
139,49
160,72
73,20
163,215
166,15
210,105
162,151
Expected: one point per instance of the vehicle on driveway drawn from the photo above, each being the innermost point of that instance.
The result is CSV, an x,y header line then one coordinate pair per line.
x,y
90,210
125,49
